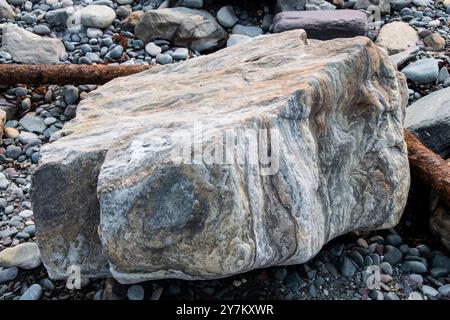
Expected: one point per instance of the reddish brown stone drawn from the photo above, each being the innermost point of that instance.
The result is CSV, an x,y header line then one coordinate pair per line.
x,y
323,25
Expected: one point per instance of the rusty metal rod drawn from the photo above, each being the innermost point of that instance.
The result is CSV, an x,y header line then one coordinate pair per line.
x,y
429,167
13,74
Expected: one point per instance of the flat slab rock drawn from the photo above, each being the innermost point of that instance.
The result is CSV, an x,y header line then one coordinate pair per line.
x,y
323,25
110,197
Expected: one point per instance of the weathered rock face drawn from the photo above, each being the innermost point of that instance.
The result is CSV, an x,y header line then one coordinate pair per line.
x,y
323,25
18,41
334,111
196,29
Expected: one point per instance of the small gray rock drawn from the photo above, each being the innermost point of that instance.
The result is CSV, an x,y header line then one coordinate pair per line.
x,y
50,120
136,292
357,258
392,255
5,55
33,123
163,58
422,71
376,295
391,296
414,266
94,33
70,94
41,29
438,272
13,151
97,16
116,52
443,75
415,296
34,292
386,267
429,291
346,267
84,60
8,274
30,229
57,17
152,49
28,137
249,31
47,284
445,290
25,256
180,54
394,240
441,261
227,17
237,38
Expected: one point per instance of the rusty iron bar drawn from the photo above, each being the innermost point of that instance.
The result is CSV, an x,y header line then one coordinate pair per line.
x,y
429,167
62,74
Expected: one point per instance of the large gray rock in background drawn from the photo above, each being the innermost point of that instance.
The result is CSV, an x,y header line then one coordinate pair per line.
x,y
6,11
397,36
323,25
429,119
97,16
110,189
196,29
18,41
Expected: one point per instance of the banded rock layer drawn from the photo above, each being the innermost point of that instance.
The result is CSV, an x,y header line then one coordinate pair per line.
x,y
110,194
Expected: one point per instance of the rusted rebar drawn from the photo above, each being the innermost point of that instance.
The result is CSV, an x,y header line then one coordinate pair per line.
x,y
13,74
429,167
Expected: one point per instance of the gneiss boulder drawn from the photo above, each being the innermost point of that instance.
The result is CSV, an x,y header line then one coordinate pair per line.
x,y
323,25
138,182
196,29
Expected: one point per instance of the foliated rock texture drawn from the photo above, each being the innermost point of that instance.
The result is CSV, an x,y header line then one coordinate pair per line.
x,y
334,111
